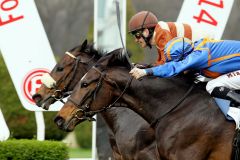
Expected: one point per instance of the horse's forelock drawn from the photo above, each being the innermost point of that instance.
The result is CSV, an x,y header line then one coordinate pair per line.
x,y
123,58
98,53
89,49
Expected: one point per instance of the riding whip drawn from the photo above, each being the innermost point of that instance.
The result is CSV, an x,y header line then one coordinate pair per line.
x,y
120,32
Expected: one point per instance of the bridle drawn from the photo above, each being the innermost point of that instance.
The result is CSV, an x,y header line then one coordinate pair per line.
x,y
88,114
85,109
59,94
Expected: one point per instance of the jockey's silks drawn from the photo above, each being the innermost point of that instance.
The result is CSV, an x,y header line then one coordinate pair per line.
x,y
211,57
165,31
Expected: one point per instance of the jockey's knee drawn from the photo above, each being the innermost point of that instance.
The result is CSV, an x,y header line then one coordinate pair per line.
x,y
210,86
213,84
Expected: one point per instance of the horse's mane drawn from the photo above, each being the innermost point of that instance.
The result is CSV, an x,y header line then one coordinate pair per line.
x,y
89,49
116,57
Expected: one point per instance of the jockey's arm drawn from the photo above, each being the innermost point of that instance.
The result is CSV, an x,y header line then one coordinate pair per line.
x,y
196,60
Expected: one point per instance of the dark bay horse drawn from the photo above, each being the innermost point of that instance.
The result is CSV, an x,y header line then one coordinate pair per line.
x,y
66,73
125,145
195,130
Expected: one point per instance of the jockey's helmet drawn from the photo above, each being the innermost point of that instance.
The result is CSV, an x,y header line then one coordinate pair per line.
x,y
178,48
141,20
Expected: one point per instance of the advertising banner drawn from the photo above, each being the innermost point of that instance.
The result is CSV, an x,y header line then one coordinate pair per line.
x,y
25,49
209,14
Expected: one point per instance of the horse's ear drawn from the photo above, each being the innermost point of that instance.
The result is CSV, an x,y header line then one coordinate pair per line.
x,y
84,44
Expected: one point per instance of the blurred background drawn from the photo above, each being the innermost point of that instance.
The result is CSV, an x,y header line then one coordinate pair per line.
x,y
68,24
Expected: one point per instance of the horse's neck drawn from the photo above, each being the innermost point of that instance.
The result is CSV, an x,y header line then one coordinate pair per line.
x,y
113,115
119,118
151,98
109,118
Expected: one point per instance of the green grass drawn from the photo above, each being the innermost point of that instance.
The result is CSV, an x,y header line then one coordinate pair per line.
x,y
80,153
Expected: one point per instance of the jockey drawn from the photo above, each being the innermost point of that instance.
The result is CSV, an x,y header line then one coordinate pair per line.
x,y
218,59
146,29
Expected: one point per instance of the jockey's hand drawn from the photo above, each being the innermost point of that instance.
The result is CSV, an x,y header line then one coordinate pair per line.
x,y
138,73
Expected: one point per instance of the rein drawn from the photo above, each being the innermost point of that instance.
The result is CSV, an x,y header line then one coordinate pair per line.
x,y
74,68
84,109
64,92
155,122
88,114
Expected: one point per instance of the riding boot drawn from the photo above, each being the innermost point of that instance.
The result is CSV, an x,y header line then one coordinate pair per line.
x,y
234,97
226,93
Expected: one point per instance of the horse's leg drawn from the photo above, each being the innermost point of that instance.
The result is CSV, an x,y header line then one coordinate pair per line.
x,y
220,155
202,148
223,145
115,151
221,152
148,153
145,144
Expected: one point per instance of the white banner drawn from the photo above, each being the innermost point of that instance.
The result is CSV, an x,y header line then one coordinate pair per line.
x,y
209,14
25,48
5,133
106,32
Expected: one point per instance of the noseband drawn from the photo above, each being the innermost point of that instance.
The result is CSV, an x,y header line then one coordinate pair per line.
x,y
84,109
59,94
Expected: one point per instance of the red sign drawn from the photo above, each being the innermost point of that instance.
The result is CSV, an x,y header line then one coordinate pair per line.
x,y
32,82
7,6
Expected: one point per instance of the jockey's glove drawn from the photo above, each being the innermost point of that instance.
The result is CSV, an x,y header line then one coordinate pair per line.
x,y
138,73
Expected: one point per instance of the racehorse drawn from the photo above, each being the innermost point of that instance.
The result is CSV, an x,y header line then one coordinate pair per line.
x,y
125,145
66,73
194,129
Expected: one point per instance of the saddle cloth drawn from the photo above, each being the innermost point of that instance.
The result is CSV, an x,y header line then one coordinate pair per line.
x,y
231,113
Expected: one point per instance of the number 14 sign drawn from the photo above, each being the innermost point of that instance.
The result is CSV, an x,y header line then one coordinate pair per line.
x,y
209,14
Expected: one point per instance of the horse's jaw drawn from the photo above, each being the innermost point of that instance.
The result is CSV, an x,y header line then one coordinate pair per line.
x,y
69,125
43,103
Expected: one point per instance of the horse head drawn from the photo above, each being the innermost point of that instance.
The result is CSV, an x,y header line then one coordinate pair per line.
x,y
65,75
95,91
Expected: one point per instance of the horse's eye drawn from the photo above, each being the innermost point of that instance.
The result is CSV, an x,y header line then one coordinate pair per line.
x,y
83,85
59,69
87,50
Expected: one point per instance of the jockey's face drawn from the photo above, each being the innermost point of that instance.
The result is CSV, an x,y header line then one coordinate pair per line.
x,y
141,42
139,38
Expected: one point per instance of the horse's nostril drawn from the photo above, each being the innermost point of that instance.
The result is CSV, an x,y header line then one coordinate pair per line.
x,y
37,98
59,121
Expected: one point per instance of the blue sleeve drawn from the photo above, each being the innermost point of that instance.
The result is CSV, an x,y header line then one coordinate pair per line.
x,y
196,60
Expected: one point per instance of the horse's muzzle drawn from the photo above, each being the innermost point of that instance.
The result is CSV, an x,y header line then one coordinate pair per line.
x,y
37,99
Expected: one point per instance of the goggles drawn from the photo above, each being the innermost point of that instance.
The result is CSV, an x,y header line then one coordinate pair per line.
x,y
137,35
